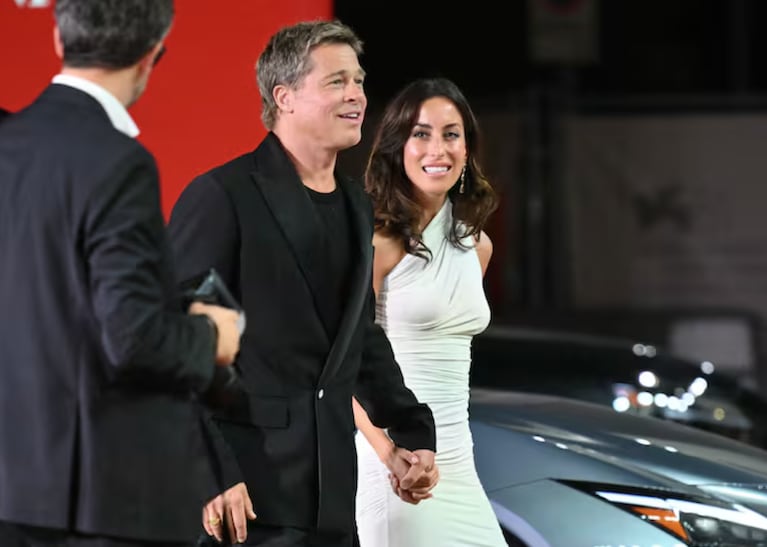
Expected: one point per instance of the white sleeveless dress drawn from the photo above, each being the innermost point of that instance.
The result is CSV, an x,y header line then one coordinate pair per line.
x,y
430,311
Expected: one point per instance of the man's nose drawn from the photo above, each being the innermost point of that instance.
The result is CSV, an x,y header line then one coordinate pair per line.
x,y
355,92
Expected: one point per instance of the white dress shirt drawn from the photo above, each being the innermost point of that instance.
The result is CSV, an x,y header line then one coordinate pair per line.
x,y
117,113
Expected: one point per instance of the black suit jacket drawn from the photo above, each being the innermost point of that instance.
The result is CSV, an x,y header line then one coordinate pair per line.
x,y
99,365
253,221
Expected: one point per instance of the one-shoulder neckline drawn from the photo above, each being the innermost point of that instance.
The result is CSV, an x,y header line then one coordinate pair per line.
x,y
437,222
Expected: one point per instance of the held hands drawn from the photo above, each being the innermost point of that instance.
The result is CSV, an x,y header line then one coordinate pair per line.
x,y
225,320
412,474
232,509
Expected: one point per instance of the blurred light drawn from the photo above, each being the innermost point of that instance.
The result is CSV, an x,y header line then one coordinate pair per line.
x,y
561,445
719,413
661,400
621,404
643,442
539,439
673,402
682,406
707,367
707,525
645,398
642,350
698,386
688,399
648,378
670,449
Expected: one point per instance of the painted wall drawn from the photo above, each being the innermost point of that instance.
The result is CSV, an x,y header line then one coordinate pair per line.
x,y
202,106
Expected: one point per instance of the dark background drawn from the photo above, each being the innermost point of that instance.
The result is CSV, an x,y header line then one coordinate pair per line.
x,y
647,47
651,58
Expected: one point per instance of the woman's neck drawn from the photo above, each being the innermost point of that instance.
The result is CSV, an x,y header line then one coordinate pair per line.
x,y
430,206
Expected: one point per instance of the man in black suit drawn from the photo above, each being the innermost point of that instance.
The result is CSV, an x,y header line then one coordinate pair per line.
x,y
101,367
293,238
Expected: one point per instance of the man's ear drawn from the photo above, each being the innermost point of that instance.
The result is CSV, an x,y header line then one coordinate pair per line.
x,y
58,47
283,97
147,61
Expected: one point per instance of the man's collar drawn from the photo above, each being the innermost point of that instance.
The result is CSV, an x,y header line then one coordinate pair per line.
x,y
117,113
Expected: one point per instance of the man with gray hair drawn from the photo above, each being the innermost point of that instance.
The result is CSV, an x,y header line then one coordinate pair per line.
x,y
292,237
101,365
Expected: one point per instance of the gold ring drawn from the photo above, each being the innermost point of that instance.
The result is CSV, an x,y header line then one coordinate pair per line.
x,y
214,521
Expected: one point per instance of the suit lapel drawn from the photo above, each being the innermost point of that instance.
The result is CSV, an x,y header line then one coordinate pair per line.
x,y
291,206
294,213
361,280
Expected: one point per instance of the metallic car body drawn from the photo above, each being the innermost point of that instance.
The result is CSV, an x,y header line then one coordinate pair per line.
x,y
605,370
542,458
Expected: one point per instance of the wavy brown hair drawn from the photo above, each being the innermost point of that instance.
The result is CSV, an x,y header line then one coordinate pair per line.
x,y
397,214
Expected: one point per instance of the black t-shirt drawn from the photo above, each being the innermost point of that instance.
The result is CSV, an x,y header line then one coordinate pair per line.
x,y
337,239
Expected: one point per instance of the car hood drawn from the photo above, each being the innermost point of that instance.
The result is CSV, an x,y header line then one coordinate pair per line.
x,y
522,437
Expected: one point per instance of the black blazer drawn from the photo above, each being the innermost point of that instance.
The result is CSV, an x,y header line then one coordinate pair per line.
x,y
293,443
99,428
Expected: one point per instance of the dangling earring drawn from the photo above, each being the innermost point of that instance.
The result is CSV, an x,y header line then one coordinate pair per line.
x,y
462,187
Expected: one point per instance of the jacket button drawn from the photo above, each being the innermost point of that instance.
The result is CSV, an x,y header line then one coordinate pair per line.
x,y
321,394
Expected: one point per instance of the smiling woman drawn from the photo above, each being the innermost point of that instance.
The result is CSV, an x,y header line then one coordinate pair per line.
x,y
436,151
431,202
425,153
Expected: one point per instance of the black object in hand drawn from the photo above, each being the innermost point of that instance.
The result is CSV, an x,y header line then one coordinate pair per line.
x,y
226,390
213,290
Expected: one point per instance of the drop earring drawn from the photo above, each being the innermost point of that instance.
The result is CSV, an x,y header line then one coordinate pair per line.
x,y
462,187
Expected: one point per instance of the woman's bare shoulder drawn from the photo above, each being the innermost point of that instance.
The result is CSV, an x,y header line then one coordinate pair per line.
x,y
388,252
484,248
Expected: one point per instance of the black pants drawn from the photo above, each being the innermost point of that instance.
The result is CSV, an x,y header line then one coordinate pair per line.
x,y
17,535
277,536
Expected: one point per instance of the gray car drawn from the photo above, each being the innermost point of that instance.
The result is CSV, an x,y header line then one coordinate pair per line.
x,y
566,473
628,376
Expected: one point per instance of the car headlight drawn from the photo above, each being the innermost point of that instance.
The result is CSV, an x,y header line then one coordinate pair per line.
x,y
694,519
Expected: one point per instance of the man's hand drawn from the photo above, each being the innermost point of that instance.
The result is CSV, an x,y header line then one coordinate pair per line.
x,y
225,320
413,474
232,509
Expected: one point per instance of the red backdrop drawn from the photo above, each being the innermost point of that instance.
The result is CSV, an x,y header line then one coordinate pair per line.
x,y
202,105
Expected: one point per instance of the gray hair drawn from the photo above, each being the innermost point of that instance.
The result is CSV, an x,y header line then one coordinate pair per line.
x,y
286,59
111,34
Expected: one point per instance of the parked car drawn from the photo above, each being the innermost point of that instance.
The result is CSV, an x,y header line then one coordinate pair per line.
x,y
627,375
566,473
